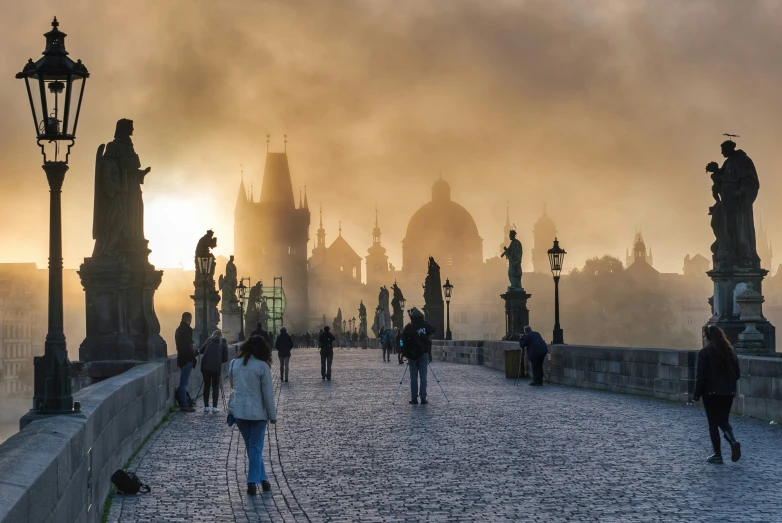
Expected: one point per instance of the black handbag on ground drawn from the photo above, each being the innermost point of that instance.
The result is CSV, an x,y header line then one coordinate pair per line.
x,y
128,483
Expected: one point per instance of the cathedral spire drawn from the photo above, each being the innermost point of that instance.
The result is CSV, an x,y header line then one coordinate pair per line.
x,y
306,204
376,230
321,231
340,227
300,204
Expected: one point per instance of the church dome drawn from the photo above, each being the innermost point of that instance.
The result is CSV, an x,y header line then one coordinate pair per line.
x,y
544,224
443,229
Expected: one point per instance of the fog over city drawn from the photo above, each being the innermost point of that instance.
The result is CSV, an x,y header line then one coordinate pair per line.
x,y
606,110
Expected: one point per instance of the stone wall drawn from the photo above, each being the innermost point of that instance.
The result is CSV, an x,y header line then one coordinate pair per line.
x,y
58,469
660,373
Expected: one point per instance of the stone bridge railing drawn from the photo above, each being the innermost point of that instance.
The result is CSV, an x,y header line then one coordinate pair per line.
x,y
660,373
58,469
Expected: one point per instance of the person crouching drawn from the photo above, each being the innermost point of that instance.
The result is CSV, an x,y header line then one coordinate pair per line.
x,y
536,352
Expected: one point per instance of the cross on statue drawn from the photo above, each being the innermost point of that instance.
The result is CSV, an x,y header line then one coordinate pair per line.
x,y
731,136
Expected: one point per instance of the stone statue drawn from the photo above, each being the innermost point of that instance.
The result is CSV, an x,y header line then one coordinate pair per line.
x,y
396,302
384,308
337,323
255,293
433,290
228,283
362,318
204,249
121,151
513,253
735,188
377,325
108,220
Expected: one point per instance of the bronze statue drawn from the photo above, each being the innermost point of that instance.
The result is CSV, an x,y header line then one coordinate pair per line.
x,y
513,253
108,220
362,318
433,291
228,283
735,188
204,250
121,151
337,323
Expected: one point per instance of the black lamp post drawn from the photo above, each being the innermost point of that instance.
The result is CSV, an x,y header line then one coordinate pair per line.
x,y
55,100
205,270
448,289
556,255
242,295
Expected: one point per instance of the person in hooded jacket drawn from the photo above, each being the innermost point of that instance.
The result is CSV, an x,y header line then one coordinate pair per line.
x,y
215,353
536,352
284,344
417,341
326,343
186,359
387,343
715,383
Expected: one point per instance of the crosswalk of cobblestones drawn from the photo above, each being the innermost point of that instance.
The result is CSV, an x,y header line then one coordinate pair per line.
x,y
342,452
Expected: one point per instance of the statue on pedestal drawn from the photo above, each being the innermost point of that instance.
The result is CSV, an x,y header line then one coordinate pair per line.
x,y
513,253
204,247
382,313
336,325
735,188
228,284
434,305
362,318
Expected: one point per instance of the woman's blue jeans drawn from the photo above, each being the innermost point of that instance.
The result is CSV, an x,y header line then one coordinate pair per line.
x,y
253,433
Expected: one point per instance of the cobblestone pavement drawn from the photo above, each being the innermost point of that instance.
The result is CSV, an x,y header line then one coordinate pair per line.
x,y
342,452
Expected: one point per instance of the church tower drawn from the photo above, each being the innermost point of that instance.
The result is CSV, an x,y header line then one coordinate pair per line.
x,y
543,234
377,261
271,236
639,251
319,252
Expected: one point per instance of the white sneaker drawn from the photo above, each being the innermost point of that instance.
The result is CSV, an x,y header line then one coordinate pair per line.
x,y
206,409
215,410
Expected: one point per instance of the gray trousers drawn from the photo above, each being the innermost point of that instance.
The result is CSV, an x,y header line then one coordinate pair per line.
x,y
285,363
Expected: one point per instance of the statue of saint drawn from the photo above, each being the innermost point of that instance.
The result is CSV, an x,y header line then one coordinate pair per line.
x,y
204,250
229,282
121,151
735,188
433,290
362,318
513,253
337,323
108,220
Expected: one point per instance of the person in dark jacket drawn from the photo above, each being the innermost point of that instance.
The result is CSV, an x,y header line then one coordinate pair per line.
x,y
259,331
186,358
536,352
418,333
397,345
284,344
387,343
715,382
215,351
326,342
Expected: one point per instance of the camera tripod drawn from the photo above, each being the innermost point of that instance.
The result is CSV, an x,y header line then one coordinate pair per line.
x,y
402,379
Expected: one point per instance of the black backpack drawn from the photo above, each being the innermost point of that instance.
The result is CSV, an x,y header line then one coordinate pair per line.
x,y
410,343
128,483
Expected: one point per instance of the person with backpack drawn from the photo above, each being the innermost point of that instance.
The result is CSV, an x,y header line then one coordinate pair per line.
x,y
186,358
387,343
284,344
326,353
252,405
398,344
416,348
715,382
215,353
536,352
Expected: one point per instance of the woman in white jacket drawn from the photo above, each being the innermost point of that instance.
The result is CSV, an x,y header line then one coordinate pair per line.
x,y
252,405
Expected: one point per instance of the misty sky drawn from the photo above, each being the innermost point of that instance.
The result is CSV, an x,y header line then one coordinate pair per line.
x,y
606,110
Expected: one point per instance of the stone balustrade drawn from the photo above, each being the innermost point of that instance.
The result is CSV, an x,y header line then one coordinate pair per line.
x,y
58,469
660,373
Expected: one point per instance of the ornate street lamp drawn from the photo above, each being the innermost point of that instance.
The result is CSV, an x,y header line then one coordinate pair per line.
x,y
55,100
242,295
205,269
448,289
556,256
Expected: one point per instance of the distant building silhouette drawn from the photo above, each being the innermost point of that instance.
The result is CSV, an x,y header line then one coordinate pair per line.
x,y
695,266
639,252
377,261
543,234
271,236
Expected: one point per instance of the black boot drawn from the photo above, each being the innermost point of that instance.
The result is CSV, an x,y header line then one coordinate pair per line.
x,y
735,446
715,459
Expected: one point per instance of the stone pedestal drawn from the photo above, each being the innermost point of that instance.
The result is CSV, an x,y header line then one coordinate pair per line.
x,y
435,315
231,325
516,313
729,284
205,297
121,319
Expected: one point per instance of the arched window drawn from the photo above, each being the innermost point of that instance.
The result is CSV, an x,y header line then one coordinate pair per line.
x,y
354,272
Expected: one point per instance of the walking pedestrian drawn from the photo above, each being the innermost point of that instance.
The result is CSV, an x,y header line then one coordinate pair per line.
x,y
715,382
186,358
326,353
284,344
417,348
215,353
536,352
387,343
398,344
259,331
252,405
